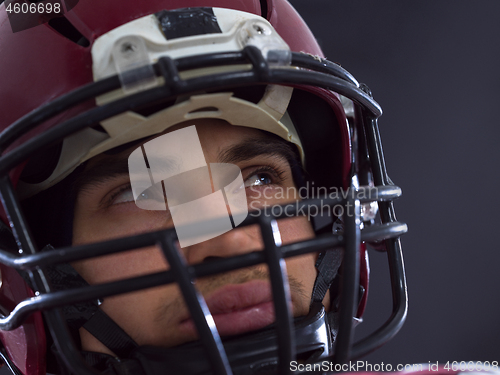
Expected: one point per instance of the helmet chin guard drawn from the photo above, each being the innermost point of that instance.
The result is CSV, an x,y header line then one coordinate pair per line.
x,y
351,154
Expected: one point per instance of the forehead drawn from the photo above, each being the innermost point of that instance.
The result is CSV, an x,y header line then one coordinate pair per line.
x,y
220,141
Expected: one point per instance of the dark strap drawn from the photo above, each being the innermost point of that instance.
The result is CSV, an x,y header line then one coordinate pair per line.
x,y
328,264
87,314
108,365
64,277
104,329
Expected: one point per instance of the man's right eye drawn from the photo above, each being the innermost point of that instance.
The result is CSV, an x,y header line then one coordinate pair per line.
x,y
125,195
259,179
155,193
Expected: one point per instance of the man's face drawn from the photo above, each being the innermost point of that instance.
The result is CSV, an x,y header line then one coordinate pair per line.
x,y
240,301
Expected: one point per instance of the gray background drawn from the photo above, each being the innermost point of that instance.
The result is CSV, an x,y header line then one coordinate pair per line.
x,y
433,67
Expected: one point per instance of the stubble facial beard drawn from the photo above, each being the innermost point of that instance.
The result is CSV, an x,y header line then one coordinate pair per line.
x,y
167,312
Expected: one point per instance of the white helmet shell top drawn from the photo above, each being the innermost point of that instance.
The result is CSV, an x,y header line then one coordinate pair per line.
x,y
139,44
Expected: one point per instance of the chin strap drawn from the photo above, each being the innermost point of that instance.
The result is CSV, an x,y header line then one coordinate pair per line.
x,y
254,353
328,265
104,329
315,334
88,314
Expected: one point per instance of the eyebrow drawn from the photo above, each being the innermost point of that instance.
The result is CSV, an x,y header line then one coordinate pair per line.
x,y
254,147
108,169
117,165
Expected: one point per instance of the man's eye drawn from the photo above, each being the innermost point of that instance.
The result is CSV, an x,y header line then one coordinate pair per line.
x,y
258,179
154,193
123,196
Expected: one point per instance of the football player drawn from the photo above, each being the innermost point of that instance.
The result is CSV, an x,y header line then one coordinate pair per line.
x,y
188,187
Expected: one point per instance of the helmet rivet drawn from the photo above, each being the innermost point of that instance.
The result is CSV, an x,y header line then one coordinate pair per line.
x,y
259,29
128,48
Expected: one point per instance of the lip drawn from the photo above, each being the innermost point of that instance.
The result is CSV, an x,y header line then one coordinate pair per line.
x,y
237,308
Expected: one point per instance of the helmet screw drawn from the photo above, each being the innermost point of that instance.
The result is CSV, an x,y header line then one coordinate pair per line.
x,y
259,29
128,48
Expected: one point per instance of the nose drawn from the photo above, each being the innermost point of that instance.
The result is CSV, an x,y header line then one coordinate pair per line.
x,y
235,242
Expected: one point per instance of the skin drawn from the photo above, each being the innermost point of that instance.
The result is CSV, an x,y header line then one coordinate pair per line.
x,y
157,316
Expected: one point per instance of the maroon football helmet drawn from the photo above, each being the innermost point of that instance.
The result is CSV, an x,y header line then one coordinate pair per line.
x,y
61,84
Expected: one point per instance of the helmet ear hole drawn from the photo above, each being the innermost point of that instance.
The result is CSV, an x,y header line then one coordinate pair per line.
x,y
7,240
49,213
41,166
321,137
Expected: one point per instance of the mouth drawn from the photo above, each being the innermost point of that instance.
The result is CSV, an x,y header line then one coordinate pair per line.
x,y
237,309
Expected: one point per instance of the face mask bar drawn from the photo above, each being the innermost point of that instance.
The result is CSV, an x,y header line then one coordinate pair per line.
x,y
273,255
320,73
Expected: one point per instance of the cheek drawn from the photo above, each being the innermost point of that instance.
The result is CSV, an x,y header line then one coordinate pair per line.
x,y
120,266
136,312
301,268
89,227
295,229
92,228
